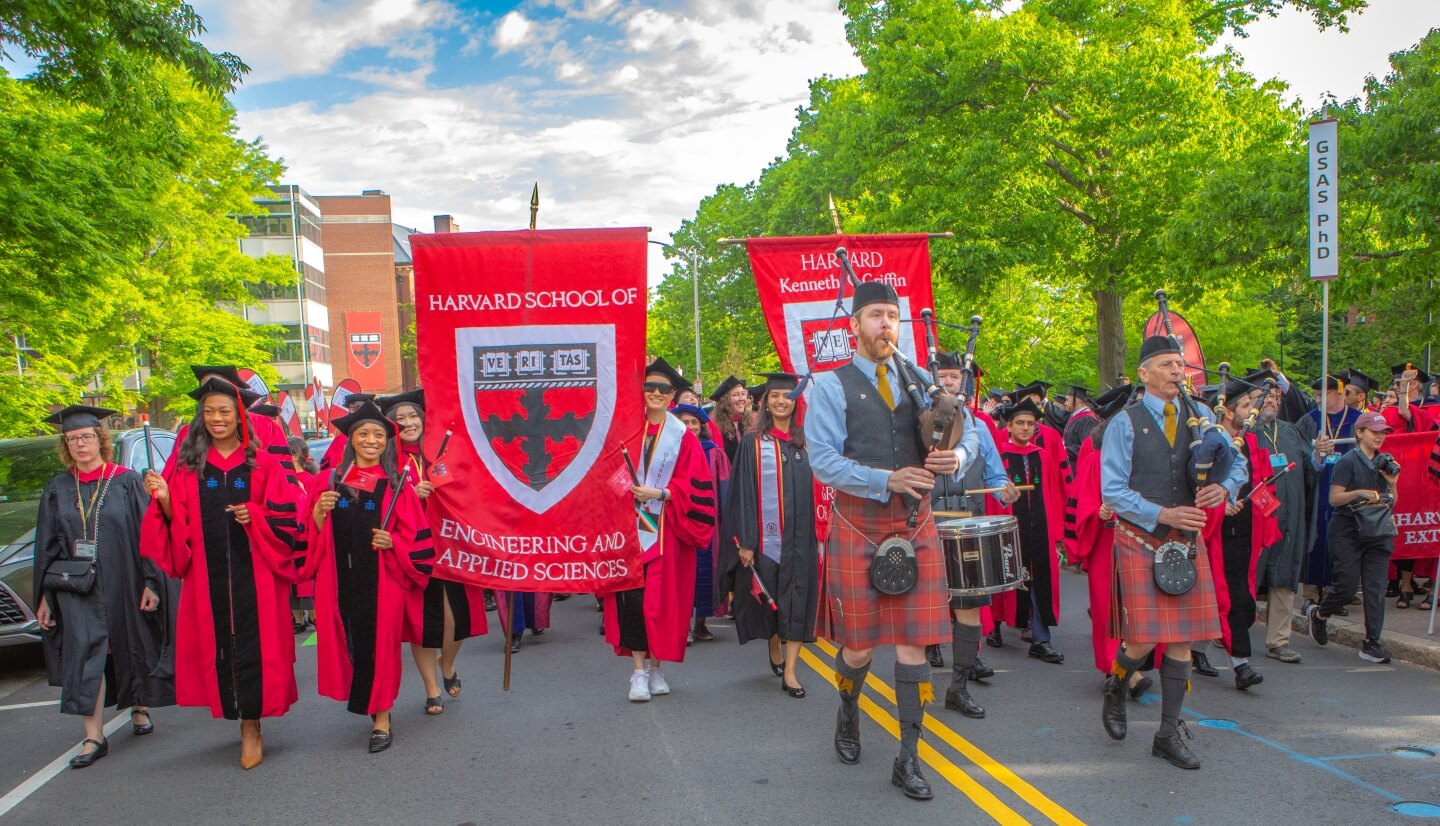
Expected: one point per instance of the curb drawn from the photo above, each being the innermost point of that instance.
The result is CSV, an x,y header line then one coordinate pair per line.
x,y
1421,651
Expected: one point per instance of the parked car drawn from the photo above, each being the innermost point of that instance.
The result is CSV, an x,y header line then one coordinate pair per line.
x,y
25,466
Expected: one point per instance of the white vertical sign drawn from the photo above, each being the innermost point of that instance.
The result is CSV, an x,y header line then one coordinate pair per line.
x,y
1324,201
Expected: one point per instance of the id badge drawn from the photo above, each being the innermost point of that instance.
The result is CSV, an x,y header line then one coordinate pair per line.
x,y
1332,458
1278,460
85,549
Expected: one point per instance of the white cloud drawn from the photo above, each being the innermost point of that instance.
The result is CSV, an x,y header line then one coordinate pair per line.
x,y
291,38
513,31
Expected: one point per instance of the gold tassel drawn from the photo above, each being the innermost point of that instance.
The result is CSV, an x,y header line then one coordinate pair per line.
x,y
1187,685
927,693
1119,671
845,684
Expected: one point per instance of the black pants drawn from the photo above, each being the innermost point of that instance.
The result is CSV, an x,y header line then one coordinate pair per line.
x,y
630,612
1242,601
1357,561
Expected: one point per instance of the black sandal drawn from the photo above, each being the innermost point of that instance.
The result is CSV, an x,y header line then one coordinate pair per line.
x,y
452,684
380,740
434,706
137,728
1405,598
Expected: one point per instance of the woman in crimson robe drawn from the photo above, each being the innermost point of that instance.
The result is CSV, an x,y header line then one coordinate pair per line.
x,y
444,613
223,521
268,435
675,513
370,548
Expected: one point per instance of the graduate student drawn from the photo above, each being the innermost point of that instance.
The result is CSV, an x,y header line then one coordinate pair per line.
x,y
370,548
223,521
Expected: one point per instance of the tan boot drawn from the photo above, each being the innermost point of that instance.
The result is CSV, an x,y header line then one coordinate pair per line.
x,y
252,748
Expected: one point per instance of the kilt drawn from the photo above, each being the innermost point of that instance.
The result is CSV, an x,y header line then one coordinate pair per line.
x,y
861,617
1149,615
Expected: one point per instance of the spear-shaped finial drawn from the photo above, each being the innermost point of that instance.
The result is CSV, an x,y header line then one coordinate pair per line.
x,y
835,215
534,203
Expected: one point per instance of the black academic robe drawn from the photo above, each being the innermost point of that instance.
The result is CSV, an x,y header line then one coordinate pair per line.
x,y
794,581
1280,564
105,630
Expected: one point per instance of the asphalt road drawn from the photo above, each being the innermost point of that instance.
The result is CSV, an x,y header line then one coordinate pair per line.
x,y
1313,744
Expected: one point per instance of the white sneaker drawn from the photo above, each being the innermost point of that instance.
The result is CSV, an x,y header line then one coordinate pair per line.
x,y
639,687
658,686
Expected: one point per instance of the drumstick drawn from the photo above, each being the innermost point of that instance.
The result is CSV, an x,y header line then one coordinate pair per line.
x,y
997,490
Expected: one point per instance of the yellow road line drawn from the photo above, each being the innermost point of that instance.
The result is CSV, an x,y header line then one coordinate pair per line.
x,y
1007,778
978,794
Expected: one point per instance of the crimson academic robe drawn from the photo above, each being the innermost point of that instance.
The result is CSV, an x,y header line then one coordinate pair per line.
x,y
688,522
1041,514
1264,532
1421,418
308,482
360,592
425,608
234,644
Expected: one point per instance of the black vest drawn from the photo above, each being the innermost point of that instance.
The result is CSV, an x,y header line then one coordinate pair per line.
x,y
1159,472
876,436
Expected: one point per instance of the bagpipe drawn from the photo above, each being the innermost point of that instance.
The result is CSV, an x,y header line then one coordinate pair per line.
x,y
1212,453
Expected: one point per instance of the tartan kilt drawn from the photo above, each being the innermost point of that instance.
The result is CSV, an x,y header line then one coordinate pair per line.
x,y
1149,615
861,617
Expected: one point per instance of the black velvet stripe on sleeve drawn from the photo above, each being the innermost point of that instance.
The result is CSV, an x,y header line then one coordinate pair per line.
x,y
283,522
707,501
422,535
425,568
280,507
701,483
423,553
279,450
702,517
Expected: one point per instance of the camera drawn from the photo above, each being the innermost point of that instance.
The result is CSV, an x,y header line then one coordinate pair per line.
x,y
1386,464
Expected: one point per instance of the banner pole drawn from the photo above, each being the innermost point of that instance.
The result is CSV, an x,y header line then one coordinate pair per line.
x,y
1325,356
506,622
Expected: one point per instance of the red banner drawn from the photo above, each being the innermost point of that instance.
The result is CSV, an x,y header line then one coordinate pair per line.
x,y
1189,343
532,351
1417,497
798,280
339,396
365,361
288,414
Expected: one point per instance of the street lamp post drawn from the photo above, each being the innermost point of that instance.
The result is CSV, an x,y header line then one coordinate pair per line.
x,y
694,297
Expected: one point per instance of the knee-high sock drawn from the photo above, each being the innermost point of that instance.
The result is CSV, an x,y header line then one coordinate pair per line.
x,y
1125,666
1174,680
965,640
849,679
912,692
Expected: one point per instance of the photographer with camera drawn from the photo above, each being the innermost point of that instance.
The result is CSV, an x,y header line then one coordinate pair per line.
x,y
1361,534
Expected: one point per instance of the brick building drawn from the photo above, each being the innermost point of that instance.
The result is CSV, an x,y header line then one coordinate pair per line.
x,y
360,281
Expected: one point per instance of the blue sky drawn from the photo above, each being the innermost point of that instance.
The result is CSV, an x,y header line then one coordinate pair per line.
x,y
627,112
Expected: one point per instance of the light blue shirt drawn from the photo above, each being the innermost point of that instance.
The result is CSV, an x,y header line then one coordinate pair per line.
x,y
1117,451
825,432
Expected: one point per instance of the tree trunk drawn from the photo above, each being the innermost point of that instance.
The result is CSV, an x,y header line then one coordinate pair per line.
x,y
1110,335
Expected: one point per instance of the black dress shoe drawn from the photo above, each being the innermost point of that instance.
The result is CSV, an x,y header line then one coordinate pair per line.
x,y
1112,713
1200,664
1043,652
847,731
798,692
1172,747
516,640
380,740
981,671
141,729
957,698
993,639
84,759
906,774
778,668
935,656
1246,676
1143,685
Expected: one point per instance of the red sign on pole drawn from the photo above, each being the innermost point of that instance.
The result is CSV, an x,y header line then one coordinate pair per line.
x,y
365,350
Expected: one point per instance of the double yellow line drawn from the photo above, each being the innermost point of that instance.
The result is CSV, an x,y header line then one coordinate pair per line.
x,y
957,777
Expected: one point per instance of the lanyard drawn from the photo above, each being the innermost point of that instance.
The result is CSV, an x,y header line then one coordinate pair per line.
x,y
97,501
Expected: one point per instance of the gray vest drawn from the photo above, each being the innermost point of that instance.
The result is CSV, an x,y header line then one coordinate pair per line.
x,y
876,436
1159,472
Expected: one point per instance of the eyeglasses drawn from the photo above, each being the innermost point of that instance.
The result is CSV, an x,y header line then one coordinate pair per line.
x,y
659,387
81,439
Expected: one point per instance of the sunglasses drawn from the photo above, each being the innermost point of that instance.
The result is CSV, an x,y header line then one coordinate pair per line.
x,y
659,387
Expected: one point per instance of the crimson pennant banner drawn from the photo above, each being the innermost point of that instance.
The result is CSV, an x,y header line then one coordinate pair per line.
x,y
799,279
531,348
1189,343
1417,497
288,414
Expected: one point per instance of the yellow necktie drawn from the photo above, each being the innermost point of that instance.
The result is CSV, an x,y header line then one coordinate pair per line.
x,y
1170,423
884,385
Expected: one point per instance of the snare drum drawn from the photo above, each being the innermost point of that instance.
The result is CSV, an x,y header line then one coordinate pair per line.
x,y
982,555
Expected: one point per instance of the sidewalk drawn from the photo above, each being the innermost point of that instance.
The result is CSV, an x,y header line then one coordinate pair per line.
x,y
1404,635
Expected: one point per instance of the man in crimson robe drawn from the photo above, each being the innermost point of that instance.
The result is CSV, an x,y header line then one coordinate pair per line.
x,y
1040,514
674,500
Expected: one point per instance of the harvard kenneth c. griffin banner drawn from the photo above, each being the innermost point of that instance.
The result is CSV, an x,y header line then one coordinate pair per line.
x,y
531,348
